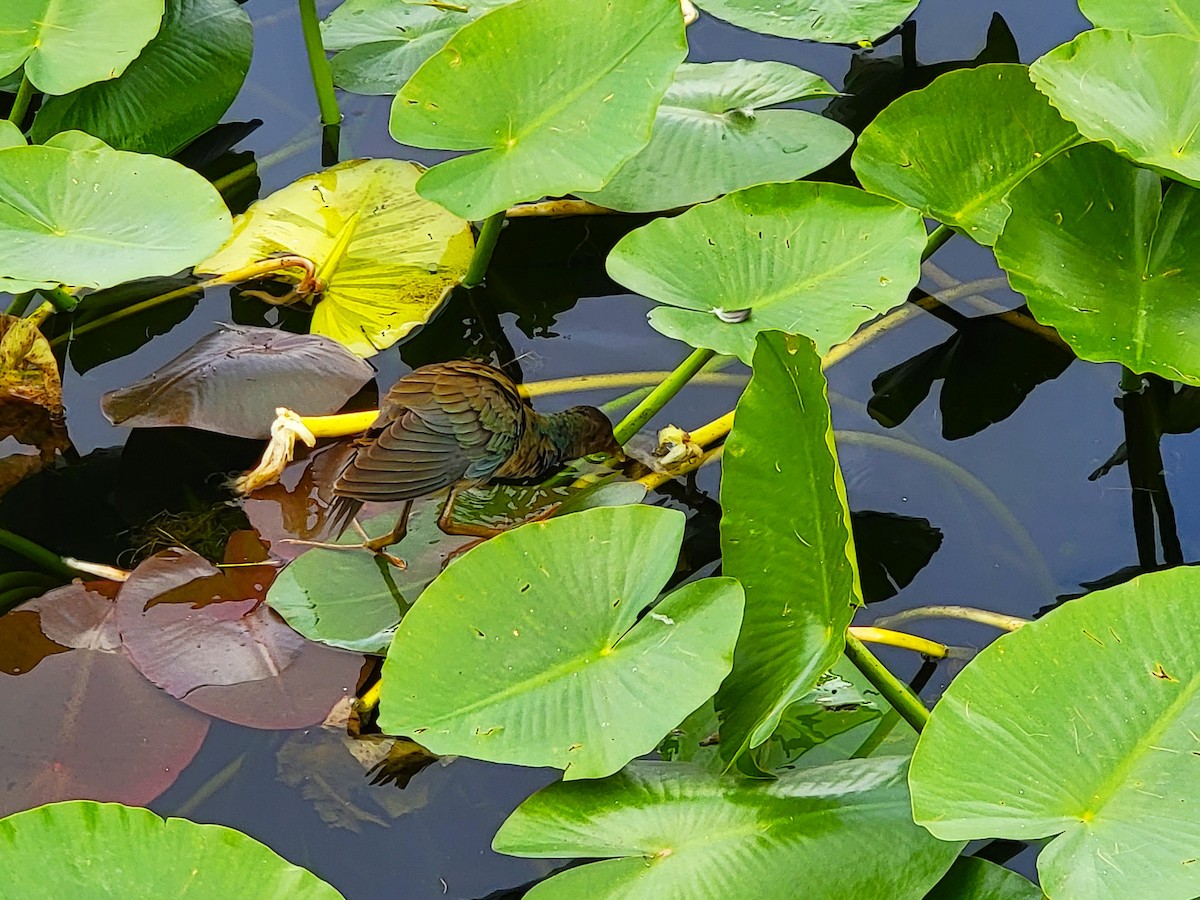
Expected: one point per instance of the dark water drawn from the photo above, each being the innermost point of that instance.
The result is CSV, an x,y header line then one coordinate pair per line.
x,y
1021,522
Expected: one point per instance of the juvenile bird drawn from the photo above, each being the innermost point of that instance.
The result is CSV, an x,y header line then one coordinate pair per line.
x,y
459,424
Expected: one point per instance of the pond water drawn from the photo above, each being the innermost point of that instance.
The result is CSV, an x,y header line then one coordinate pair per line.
x,y
1020,522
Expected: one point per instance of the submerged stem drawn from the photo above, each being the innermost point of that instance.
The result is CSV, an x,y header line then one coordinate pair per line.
x,y
895,691
966,613
37,554
661,395
489,233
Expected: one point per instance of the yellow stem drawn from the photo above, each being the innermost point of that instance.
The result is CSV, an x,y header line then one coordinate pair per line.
x,y
619,380
925,647
558,208
655,480
967,613
342,425
370,698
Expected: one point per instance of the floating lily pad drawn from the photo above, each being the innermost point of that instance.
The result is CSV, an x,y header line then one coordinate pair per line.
x,y
10,135
795,559
1168,17
65,44
382,42
552,114
1126,90
808,258
1081,725
956,148
530,650
177,88
122,851
832,21
672,830
232,380
714,122
384,258
1105,258
98,217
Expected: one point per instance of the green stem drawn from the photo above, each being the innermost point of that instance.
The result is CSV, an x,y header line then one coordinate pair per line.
x,y
20,303
133,310
489,233
321,75
661,395
936,238
37,554
62,299
895,691
20,106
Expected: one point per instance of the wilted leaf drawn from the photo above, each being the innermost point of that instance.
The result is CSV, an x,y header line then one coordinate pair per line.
x,y
383,257
232,380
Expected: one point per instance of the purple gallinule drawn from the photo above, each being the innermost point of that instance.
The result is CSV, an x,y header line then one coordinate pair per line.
x,y
458,424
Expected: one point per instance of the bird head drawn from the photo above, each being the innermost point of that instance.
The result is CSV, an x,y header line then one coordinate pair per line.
x,y
590,432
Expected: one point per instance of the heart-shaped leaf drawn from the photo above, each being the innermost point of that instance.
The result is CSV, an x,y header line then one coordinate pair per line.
x,y
178,87
65,44
556,96
716,117
795,560
1105,258
673,830
97,217
384,258
807,258
1081,725
122,851
957,147
532,648
834,21
1127,91
1170,17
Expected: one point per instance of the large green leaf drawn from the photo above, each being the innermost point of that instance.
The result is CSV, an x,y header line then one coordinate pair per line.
x,y
98,217
795,560
834,21
383,42
556,96
178,87
1081,725
971,878
65,44
385,258
530,649
1102,256
674,830
10,135
1165,17
957,147
809,258
714,134
1131,92
124,851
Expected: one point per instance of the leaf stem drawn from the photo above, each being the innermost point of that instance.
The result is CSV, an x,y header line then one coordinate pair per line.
x,y
895,691
36,554
134,309
20,303
967,613
322,76
489,233
61,299
20,105
661,395
609,380
936,239
873,635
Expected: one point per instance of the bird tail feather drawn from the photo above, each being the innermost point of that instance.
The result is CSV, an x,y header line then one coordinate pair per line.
x,y
340,514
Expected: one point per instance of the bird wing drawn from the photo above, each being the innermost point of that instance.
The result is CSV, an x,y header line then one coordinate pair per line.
x,y
439,425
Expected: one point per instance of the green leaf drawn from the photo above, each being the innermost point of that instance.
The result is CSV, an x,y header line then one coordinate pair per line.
x,y
1081,725
10,135
833,21
556,96
1127,91
672,830
386,258
1103,257
65,44
177,89
530,650
956,148
714,122
809,258
383,42
99,217
123,851
795,560
977,879
1168,17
